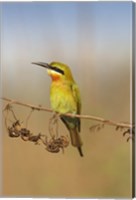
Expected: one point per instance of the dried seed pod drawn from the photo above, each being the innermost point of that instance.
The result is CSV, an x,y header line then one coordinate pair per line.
x,y
25,134
35,138
13,132
62,142
125,132
17,125
53,148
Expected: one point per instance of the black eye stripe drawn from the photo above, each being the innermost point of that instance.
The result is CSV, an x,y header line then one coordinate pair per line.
x,y
57,70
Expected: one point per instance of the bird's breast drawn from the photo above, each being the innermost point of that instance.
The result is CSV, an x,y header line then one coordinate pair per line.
x,y
62,99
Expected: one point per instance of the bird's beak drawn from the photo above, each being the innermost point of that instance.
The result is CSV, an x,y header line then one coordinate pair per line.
x,y
46,65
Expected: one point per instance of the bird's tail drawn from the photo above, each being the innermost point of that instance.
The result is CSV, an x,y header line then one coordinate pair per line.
x,y
76,140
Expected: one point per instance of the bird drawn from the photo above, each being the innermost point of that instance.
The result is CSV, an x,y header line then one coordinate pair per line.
x,y
65,98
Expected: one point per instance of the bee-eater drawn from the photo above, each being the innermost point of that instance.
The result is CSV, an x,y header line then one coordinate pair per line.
x,y
65,98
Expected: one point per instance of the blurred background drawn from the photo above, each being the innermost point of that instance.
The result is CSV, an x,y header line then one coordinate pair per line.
x,y
94,39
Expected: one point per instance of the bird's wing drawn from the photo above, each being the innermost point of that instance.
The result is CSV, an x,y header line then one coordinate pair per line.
x,y
76,95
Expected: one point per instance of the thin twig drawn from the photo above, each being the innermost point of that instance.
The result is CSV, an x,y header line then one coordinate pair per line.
x,y
89,117
28,117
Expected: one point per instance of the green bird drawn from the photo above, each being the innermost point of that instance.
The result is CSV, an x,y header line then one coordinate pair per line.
x,y
65,98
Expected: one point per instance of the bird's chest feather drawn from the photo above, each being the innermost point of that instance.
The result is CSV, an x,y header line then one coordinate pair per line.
x,y
62,99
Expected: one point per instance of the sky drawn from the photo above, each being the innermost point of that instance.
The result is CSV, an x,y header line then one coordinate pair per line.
x,y
65,27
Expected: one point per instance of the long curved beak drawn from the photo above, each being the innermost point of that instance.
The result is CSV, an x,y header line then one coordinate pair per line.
x,y
47,66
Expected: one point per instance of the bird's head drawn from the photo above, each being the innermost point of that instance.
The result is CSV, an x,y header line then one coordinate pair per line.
x,y
57,70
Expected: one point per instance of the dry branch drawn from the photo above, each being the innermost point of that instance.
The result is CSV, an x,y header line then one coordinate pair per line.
x,y
89,117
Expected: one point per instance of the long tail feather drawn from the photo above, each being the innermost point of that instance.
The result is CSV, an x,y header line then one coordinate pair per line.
x,y
76,140
80,151
74,134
